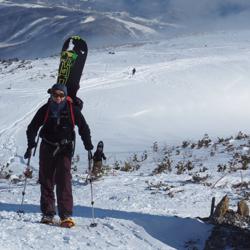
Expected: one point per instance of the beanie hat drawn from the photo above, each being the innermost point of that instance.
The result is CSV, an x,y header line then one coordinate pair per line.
x,y
61,87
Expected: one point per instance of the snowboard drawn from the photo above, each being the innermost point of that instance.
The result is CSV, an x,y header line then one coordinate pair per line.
x,y
71,65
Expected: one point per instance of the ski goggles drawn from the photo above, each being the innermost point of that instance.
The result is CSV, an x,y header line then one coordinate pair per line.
x,y
58,94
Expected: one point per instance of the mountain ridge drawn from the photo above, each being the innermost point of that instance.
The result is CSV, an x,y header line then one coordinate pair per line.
x,y
33,28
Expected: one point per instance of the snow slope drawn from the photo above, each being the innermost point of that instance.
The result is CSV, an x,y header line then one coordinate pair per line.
x,y
182,88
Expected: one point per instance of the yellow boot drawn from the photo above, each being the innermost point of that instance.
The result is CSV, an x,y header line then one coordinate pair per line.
x,y
67,222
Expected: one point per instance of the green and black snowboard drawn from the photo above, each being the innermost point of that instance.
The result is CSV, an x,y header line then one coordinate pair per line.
x,y
72,63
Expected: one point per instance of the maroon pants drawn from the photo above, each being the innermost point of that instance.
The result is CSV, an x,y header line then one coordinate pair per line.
x,y
55,170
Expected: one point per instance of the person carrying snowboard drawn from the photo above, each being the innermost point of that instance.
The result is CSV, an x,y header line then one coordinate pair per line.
x,y
98,156
57,119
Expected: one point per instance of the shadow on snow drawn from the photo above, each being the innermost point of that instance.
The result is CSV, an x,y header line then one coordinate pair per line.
x,y
170,230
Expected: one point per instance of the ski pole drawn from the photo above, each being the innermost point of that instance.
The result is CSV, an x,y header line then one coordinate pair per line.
x,y
93,224
27,175
37,141
87,179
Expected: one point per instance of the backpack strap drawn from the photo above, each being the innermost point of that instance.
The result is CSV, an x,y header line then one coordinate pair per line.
x,y
46,115
70,102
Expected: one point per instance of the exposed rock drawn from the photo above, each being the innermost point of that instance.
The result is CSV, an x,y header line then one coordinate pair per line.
x,y
231,230
234,219
243,208
228,237
225,216
221,208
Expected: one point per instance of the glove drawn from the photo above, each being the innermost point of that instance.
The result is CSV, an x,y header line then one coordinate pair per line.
x,y
28,173
90,155
27,154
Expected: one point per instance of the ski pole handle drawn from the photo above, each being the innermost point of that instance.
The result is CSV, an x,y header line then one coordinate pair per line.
x,y
34,153
28,171
28,162
90,169
90,155
90,161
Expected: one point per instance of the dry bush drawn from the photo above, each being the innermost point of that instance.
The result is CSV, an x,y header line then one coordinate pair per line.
x,y
172,193
185,144
198,179
160,186
117,165
245,160
130,166
155,147
241,185
240,162
241,136
133,163
143,157
164,166
204,142
5,172
202,170
221,167
183,167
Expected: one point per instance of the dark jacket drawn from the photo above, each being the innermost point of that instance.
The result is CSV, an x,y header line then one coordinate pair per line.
x,y
99,155
56,130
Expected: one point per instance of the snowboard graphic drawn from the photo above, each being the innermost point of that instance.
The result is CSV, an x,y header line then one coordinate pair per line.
x,y
72,62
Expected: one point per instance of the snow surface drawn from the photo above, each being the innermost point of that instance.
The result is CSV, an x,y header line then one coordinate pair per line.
x,y
24,5
88,20
134,26
182,88
30,27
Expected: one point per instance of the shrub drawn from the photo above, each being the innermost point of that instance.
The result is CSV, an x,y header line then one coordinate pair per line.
x,y
182,167
240,136
155,147
221,168
130,166
164,166
185,144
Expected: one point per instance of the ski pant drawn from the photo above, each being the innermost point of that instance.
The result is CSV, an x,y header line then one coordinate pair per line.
x,y
55,170
97,168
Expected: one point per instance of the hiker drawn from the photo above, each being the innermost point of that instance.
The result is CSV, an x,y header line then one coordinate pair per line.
x,y
133,71
57,118
98,156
